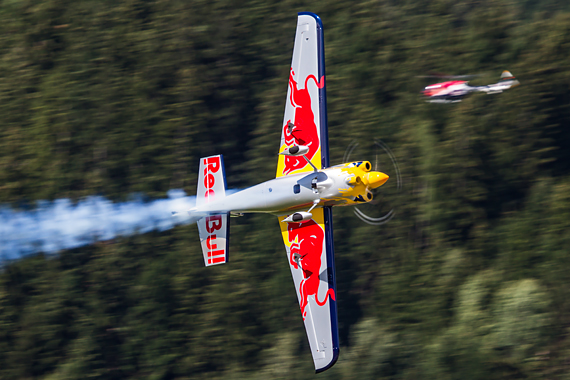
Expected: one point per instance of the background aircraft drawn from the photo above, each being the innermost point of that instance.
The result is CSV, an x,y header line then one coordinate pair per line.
x,y
454,91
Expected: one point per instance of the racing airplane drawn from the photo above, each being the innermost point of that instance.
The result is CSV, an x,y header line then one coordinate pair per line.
x,y
301,195
454,91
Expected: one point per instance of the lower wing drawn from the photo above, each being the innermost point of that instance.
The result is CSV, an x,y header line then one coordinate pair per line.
x,y
310,255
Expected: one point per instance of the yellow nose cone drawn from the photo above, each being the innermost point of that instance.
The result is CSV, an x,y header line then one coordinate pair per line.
x,y
375,179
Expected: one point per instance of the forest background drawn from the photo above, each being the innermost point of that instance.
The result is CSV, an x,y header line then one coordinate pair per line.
x,y
470,278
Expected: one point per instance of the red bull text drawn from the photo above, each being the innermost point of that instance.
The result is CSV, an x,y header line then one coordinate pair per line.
x,y
214,222
211,165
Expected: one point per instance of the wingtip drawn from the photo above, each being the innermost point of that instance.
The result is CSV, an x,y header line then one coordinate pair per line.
x,y
332,362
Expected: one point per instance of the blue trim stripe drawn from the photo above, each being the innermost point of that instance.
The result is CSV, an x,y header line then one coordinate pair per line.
x,y
228,237
324,135
329,241
223,172
227,216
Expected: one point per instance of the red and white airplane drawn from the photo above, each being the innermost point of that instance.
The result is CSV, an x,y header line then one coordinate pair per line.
x,y
454,91
301,196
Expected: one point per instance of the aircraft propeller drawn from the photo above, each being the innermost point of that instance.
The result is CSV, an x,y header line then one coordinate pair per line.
x,y
378,211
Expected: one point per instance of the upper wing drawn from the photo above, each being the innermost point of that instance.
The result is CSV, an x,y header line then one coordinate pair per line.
x,y
310,254
305,119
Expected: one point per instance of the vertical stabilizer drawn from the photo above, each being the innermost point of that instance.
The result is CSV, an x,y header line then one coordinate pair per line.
x,y
508,80
507,75
213,229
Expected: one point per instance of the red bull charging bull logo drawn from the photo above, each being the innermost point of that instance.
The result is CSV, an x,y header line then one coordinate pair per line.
x,y
306,252
304,130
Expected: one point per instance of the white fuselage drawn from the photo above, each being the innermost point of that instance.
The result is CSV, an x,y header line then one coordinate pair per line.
x,y
289,193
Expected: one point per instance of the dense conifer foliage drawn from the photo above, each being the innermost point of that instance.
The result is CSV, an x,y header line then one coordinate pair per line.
x,y
468,281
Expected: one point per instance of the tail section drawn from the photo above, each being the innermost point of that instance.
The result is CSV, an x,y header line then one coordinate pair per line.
x,y
507,81
213,229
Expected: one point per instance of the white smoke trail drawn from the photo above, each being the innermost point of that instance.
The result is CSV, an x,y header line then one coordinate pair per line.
x,y
58,225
